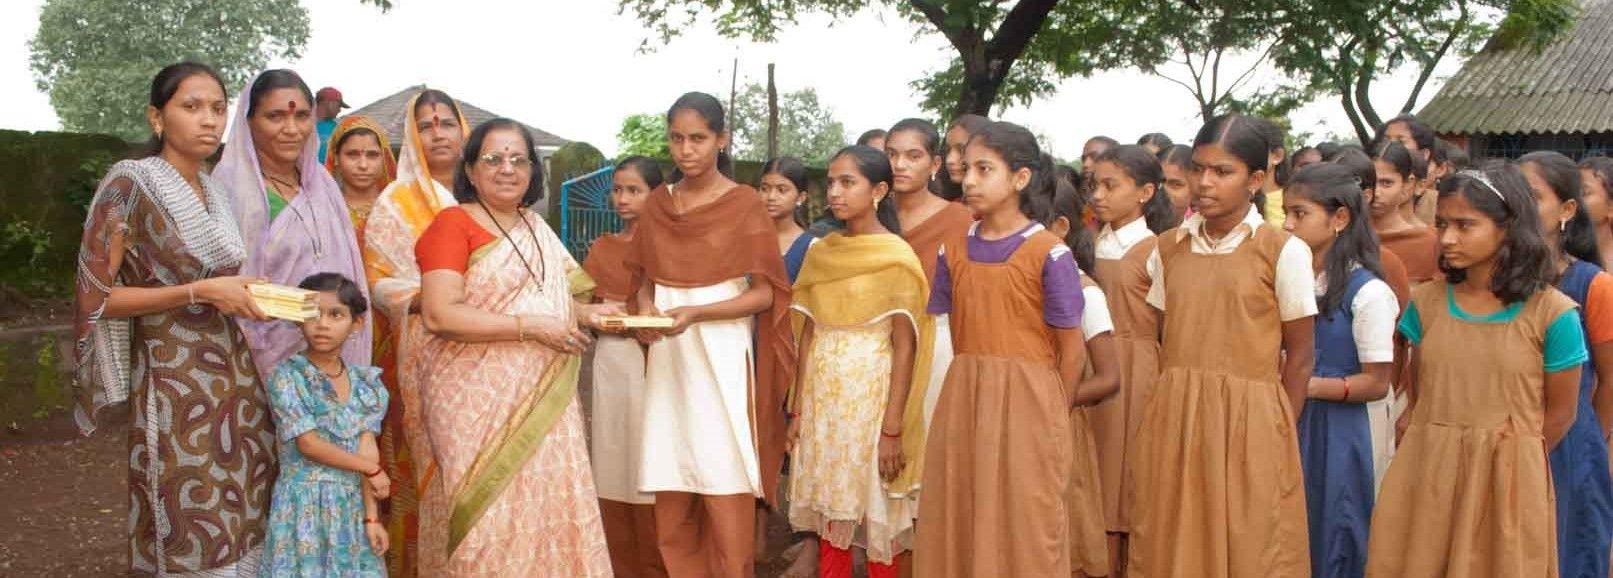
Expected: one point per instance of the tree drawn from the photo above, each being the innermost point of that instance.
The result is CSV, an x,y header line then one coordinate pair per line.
x,y
96,57
1006,53
1211,41
806,130
642,134
1340,48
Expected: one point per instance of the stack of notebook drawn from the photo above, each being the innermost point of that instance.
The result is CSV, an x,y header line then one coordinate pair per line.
x,y
288,303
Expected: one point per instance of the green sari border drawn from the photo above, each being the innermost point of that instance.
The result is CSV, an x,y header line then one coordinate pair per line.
x,y
497,465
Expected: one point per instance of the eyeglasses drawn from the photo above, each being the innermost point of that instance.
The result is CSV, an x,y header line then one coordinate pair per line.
x,y
497,161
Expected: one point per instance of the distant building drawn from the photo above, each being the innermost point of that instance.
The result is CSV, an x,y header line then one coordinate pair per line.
x,y
389,113
1506,101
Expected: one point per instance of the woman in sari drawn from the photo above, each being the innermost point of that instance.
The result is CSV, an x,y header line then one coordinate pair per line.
x,y
157,296
290,211
362,162
509,491
434,134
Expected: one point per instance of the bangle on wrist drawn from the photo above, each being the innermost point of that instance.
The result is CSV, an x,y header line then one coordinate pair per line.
x,y
889,435
377,472
1346,381
520,329
190,293
368,520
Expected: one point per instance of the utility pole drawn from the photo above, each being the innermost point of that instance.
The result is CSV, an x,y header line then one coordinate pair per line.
x,y
772,115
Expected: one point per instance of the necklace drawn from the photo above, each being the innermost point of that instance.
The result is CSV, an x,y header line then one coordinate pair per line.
x,y
337,375
537,277
290,185
310,222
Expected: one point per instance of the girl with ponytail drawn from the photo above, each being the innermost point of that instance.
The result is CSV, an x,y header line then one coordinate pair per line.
x,y
996,491
1216,467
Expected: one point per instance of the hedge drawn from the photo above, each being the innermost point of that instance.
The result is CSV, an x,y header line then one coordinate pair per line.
x,y
49,179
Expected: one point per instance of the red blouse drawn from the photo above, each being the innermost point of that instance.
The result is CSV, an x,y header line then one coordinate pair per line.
x,y
449,241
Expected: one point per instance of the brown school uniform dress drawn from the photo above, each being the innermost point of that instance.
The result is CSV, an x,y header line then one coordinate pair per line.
x,y
998,462
1418,249
1084,496
1216,466
1125,282
1469,493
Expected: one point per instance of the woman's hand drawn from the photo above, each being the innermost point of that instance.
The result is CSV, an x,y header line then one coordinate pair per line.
x,y
682,318
230,296
377,536
557,335
792,434
380,485
1400,426
591,315
891,459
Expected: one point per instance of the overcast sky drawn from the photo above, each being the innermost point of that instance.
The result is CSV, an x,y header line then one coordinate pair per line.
x,y
573,68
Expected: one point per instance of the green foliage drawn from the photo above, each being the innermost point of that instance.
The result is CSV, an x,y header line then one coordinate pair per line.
x,y
52,178
1005,52
49,395
1341,48
807,130
572,160
96,57
642,134
26,238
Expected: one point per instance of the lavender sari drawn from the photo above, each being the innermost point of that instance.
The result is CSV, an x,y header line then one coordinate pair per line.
x,y
313,234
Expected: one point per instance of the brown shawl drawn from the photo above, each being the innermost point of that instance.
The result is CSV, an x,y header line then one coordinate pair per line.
x,y
606,264
727,238
927,237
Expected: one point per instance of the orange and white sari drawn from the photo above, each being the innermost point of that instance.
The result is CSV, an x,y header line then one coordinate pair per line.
x,y
509,490
398,217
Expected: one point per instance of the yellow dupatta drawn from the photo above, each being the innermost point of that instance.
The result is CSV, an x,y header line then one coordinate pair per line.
x,y
404,210
850,281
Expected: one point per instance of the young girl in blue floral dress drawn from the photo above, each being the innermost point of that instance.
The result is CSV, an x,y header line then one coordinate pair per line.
x,y
322,518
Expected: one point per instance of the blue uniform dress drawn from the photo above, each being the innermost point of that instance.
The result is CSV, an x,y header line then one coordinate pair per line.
x,y
316,516
1579,467
1335,450
796,256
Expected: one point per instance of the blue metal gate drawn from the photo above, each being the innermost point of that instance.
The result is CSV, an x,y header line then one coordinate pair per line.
x,y
585,211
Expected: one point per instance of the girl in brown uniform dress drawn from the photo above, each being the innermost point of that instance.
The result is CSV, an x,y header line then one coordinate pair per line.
x,y
1497,356
1128,199
1216,468
997,464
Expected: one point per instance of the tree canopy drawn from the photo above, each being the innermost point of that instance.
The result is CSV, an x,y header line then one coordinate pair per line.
x,y
807,129
96,57
1004,52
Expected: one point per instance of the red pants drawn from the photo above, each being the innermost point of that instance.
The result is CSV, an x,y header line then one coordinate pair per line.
x,y
836,563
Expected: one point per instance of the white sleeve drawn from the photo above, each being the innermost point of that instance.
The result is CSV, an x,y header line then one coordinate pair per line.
x,y
1095,318
1296,284
1376,312
1156,271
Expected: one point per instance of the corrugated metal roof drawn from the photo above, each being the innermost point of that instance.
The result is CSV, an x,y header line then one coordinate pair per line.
x,y
389,113
1565,88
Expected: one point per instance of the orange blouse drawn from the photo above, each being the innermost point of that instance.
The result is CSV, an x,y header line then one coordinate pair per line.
x,y
449,241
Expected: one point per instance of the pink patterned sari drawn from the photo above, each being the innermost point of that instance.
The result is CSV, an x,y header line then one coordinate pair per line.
x,y
507,488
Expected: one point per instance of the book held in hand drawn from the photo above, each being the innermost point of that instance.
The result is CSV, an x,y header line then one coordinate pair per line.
x,y
636,322
288,303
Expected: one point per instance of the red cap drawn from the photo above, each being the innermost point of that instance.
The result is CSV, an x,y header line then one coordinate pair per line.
x,y
330,93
